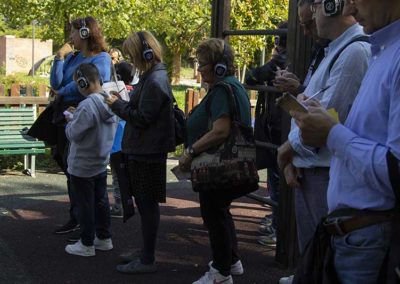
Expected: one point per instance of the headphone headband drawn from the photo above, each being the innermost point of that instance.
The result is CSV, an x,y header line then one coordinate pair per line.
x,y
220,68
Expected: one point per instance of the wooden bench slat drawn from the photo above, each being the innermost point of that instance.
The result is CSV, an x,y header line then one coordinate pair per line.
x,y
23,151
19,109
22,144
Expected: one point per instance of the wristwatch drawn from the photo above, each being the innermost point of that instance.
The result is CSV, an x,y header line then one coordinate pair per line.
x,y
190,152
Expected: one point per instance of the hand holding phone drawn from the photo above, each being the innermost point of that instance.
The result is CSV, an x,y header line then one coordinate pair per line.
x,y
289,103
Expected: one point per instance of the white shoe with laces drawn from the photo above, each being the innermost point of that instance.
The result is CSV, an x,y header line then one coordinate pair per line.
x,y
214,277
80,249
286,280
103,244
236,268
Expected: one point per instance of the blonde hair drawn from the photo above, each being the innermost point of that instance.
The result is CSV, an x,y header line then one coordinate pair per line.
x,y
133,47
212,51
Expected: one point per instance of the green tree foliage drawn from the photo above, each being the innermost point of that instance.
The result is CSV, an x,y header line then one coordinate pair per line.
x,y
179,24
254,15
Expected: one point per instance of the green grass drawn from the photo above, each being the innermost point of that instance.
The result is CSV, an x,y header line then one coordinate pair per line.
x,y
187,72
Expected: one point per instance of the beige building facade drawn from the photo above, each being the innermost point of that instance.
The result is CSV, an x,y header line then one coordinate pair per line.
x,y
16,53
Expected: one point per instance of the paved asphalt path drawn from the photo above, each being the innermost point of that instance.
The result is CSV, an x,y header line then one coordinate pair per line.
x,y
30,209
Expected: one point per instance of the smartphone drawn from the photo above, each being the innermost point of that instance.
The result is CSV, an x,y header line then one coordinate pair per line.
x,y
68,115
288,103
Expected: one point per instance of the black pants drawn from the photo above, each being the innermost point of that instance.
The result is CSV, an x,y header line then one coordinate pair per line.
x,y
94,208
150,219
221,230
60,154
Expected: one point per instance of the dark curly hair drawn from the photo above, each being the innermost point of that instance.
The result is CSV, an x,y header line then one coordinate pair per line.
x,y
96,41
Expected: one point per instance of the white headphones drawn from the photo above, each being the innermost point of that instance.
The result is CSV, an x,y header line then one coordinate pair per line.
x,y
84,31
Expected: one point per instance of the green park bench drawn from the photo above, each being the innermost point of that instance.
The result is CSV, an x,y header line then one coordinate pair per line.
x,y
14,123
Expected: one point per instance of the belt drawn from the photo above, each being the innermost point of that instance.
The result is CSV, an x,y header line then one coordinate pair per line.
x,y
339,227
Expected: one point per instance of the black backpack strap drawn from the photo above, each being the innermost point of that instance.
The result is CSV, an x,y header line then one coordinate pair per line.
x,y
394,175
362,38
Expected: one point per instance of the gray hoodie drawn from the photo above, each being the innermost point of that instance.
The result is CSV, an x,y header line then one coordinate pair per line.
x,y
91,134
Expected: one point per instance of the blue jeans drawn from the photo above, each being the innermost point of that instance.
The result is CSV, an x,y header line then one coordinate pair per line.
x,y
359,255
93,205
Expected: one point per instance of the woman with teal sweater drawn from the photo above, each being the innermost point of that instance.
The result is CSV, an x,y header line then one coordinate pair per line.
x,y
90,44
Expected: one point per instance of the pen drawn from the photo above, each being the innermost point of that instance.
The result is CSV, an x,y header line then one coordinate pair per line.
x,y
317,93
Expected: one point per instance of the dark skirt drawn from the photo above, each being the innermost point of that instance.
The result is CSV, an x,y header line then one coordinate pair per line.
x,y
148,179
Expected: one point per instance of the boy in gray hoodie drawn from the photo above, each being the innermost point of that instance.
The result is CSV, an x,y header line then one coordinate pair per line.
x,y
91,128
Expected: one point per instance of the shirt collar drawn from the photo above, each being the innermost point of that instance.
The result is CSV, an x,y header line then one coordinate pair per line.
x,y
351,32
384,37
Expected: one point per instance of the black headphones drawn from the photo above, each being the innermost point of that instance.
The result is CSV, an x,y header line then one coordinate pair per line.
x,y
332,7
220,68
84,31
148,53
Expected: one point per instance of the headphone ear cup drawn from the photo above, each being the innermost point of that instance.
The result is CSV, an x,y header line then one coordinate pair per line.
x,y
148,55
84,32
220,70
331,7
82,82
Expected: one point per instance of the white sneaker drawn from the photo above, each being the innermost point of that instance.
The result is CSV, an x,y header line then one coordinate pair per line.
x,y
236,268
214,277
103,244
80,249
286,280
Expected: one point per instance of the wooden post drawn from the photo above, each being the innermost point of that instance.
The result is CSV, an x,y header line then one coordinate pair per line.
x,y
29,90
202,93
298,51
15,89
195,98
42,90
188,100
220,17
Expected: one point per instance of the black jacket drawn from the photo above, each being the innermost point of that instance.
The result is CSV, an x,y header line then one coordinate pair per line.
x,y
149,115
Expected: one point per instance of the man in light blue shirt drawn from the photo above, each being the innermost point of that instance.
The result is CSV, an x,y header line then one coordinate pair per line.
x,y
359,176
337,78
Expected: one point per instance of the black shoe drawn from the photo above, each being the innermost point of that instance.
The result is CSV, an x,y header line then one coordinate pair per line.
x,y
67,228
75,236
116,212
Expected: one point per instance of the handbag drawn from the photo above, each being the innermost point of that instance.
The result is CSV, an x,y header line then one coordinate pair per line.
x,y
116,86
180,124
230,167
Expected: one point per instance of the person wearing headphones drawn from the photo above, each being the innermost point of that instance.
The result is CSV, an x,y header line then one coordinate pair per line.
x,y
90,46
208,126
335,84
149,135
90,129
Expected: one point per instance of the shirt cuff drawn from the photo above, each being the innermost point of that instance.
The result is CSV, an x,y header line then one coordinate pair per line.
x,y
295,142
338,139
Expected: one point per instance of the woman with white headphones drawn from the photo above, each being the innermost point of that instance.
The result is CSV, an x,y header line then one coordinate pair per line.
x,y
90,47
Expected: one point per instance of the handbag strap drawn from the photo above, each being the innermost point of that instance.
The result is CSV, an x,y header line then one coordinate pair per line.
x,y
114,74
233,109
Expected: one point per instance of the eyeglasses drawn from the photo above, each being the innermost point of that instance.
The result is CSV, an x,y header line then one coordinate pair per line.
x,y
313,7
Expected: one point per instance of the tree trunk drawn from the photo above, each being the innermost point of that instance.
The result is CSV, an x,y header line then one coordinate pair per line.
x,y
238,73
176,69
243,73
66,28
